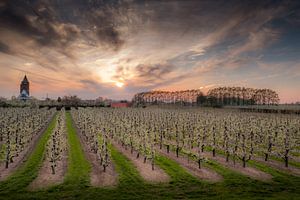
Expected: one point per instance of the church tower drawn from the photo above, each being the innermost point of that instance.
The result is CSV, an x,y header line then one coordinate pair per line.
x,y
24,89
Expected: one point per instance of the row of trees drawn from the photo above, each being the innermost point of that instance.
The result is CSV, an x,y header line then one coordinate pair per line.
x,y
162,97
100,126
18,128
220,96
93,132
240,136
57,144
239,96
66,101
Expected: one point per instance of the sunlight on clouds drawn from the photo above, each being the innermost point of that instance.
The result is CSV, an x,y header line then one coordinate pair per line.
x,y
119,84
149,47
106,73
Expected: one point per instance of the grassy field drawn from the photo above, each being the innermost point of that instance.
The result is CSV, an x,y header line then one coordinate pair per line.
x,y
78,166
131,185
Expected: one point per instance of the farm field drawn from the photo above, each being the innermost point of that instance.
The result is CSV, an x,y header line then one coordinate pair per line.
x,y
105,153
149,99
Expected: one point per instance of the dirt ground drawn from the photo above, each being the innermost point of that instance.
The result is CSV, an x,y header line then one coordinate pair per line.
x,y
279,166
99,178
192,167
46,178
248,171
296,159
145,169
23,156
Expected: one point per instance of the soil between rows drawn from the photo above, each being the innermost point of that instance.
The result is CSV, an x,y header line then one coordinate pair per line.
x,y
248,171
279,166
192,167
145,169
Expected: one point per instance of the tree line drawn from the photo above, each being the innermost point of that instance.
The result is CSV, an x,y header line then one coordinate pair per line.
x,y
221,96
166,97
236,96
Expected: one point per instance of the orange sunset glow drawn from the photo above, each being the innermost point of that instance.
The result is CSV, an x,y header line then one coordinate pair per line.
x,y
146,46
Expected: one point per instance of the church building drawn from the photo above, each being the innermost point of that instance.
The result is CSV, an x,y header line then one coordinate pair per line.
x,y
24,89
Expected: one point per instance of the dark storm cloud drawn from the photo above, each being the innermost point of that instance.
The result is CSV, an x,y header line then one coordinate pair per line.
x,y
4,48
58,23
104,18
99,22
193,17
35,21
203,16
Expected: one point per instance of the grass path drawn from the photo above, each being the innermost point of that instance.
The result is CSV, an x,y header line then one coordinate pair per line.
x,y
78,166
128,174
29,171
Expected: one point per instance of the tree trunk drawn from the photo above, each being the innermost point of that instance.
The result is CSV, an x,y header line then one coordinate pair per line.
x,y
138,155
160,144
244,161
104,168
177,152
234,159
199,163
53,169
168,148
286,161
266,156
214,152
227,156
145,159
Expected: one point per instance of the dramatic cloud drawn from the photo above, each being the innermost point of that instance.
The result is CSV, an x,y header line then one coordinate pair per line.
x,y
4,48
57,23
89,47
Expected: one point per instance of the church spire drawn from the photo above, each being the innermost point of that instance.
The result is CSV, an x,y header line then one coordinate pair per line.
x,y
24,89
25,79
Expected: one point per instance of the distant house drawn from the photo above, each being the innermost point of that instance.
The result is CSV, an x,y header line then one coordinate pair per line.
x,y
120,104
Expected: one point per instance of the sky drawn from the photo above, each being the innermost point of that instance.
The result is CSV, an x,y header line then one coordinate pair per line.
x,y
115,48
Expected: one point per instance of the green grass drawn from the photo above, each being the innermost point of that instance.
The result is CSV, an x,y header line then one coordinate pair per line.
x,y
128,174
78,167
131,185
